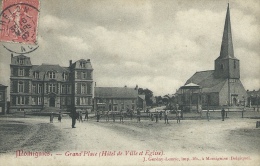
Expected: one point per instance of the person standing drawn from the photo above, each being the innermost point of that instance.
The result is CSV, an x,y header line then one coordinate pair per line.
x,y
98,116
223,114
80,117
59,117
74,117
160,115
51,117
178,116
107,116
208,115
156,116
113,116
138,116
86,115
121,116
166,117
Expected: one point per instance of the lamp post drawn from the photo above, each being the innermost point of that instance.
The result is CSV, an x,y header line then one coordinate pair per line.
x,y
257,103
43,89
244,106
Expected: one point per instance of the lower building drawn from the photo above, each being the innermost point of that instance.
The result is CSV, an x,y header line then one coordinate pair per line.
x,y
115,99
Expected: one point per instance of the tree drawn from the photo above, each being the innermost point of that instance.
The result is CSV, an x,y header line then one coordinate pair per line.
x,y
148,95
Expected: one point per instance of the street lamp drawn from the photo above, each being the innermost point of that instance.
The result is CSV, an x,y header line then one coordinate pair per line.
x,y
257,103
43,89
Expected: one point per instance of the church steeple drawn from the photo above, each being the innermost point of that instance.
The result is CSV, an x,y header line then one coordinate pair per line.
x,y
227,45
227,65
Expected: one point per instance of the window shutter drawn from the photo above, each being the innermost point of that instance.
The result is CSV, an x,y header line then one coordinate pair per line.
x,y
78,75
78,88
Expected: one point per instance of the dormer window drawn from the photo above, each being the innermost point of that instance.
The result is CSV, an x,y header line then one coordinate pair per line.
x,y
83,64
65,76
20,61
36,74
52,74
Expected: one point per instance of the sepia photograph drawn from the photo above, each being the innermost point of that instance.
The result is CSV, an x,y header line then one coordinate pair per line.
x,y
129,82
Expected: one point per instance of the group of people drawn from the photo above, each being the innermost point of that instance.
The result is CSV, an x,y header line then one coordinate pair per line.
x,y
158,115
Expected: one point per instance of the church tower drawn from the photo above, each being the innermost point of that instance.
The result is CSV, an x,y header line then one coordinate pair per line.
x,y
227,65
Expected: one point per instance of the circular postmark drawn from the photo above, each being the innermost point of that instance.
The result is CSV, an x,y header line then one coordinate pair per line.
x,y
19,25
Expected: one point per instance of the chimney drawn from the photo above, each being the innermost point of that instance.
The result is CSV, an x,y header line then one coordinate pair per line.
x,y
70,62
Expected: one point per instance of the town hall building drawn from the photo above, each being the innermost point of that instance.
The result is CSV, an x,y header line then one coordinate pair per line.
x,y
50,86
218,87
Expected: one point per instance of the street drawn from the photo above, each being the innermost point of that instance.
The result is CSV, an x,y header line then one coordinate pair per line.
x,y
144,143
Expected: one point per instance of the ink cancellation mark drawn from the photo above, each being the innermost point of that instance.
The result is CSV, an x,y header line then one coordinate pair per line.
x,y
19,21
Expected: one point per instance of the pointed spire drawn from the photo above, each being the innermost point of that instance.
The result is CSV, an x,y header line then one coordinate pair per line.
x,y
227,45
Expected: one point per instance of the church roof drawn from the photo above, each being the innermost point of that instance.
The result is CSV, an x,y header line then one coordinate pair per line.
x,y
206,80
227,44
116,92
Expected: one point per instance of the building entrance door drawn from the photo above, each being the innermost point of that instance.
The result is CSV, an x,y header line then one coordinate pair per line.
x,y
52,102
234,101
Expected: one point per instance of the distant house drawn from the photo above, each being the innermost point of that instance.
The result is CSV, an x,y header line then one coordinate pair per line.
x,y
115,98
218,87
253,97
141,102
3,99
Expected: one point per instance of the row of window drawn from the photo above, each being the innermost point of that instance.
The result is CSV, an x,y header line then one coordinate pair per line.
x,y
85,89
36,74
38,88
52,74
83,75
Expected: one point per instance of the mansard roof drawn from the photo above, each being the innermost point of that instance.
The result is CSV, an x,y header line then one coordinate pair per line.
x,y
49,67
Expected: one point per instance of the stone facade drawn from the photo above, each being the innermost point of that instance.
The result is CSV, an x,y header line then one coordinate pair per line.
x,y
48,86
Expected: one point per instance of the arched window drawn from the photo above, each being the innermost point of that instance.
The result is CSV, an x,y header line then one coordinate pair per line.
x,y
20,86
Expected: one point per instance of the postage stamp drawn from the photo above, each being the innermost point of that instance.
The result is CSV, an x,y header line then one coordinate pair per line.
x,y
19,20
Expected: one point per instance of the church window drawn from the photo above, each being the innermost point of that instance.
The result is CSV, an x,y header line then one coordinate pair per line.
x,y
221,66
235,66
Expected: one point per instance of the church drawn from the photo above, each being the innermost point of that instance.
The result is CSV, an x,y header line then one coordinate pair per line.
x,y
218,87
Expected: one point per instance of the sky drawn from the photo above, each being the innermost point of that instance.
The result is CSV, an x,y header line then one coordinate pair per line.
x,y
153,44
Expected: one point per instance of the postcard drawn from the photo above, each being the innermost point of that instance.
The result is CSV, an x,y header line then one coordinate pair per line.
x,y
133,82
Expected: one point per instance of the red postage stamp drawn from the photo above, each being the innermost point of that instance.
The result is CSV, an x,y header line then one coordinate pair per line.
x,y
19,20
